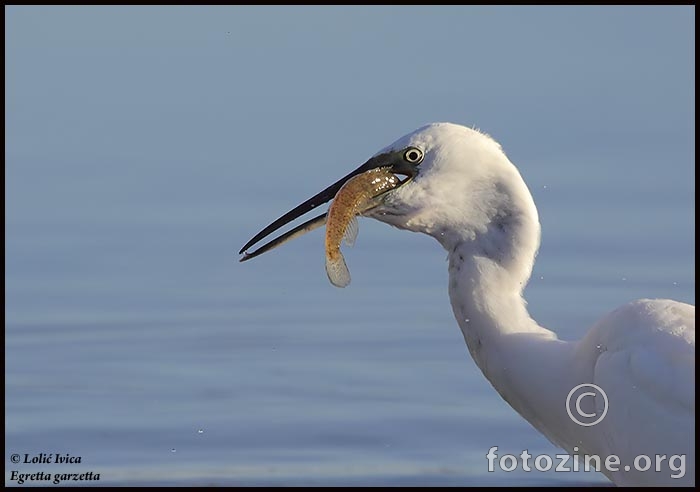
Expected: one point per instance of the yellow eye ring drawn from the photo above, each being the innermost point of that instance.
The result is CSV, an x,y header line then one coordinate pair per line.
x,y
413,155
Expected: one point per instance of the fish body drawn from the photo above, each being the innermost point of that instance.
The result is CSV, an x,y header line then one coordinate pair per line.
x,y
355,197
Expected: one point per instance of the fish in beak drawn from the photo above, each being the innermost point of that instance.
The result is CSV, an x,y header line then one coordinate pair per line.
x,y
403,163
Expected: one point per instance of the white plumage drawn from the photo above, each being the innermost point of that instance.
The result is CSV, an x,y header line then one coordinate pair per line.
x,y
472,199
462,190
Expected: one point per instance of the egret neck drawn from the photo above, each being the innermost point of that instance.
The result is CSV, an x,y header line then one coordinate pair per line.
x,y
489,265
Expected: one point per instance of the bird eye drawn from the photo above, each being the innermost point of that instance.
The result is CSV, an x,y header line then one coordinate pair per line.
x,y
413,155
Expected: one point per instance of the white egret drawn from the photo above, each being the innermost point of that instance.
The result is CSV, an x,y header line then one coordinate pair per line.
x,y
460,188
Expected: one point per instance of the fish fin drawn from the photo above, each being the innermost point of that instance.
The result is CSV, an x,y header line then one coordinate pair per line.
x,y
351,232
337,271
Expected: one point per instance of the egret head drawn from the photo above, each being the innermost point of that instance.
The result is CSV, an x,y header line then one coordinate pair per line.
x,y
463,189
456,185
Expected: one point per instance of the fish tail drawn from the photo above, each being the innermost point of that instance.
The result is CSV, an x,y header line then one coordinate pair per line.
x,y
337,270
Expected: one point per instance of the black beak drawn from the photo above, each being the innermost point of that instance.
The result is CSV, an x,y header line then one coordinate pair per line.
x,y
389,159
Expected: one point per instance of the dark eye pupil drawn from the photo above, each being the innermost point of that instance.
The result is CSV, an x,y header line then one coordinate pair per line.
x,y
413,155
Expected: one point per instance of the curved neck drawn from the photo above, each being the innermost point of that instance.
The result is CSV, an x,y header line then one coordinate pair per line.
x,y
487,302
490,263
487,274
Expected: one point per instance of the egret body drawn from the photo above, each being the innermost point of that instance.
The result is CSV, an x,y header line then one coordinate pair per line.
x,y
462,189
